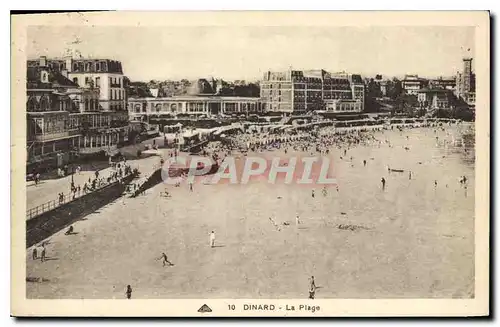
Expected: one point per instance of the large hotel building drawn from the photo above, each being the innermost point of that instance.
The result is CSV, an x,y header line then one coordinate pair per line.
x,y
103,74
296,91
74,106
290,92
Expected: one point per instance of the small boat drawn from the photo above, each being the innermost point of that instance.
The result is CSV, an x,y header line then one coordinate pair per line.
x,y
397,170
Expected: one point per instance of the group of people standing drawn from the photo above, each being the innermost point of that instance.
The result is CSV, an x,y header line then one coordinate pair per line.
x,y
40,250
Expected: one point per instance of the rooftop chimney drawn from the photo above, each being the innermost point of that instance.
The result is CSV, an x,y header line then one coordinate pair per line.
x,y
69,63
43,61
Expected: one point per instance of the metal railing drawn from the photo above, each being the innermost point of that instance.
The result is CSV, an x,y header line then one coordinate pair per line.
x,y
51,136
52,204
66,198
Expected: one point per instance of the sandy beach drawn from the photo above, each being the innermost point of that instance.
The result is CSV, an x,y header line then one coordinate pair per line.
x,y
412,240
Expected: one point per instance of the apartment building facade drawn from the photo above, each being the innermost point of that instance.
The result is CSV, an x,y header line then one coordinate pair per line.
x,y
64,119
296,91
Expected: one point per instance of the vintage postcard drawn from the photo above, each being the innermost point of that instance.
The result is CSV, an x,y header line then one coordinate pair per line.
x,y
250,164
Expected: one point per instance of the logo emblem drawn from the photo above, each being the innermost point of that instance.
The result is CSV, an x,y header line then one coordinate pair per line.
x,y
204,308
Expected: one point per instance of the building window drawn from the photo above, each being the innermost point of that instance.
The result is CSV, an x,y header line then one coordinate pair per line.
x,y
110,81
88,66
45,77
32,104
86,104
44,105
97,81
98,66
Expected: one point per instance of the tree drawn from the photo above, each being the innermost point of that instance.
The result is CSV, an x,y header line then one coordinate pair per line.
x,y
138,89
394,88
247,90
406,104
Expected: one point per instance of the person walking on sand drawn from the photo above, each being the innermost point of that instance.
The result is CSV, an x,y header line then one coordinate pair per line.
x,y
312,193
69,231
129,292
297,220
383,183
164,259
364,163
35,253
44,253
312,288
212,239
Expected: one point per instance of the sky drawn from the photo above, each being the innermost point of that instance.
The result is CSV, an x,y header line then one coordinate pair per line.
x,y
246,53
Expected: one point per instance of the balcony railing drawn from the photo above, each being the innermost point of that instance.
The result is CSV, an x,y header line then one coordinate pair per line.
x,y
51,136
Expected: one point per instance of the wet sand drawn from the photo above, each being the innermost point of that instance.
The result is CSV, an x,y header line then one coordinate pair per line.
x,y
414,240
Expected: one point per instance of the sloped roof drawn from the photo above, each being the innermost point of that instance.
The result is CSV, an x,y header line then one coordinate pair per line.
x,y
56,79
356,78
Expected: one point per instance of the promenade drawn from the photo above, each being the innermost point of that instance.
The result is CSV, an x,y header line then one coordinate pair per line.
x,y
48,190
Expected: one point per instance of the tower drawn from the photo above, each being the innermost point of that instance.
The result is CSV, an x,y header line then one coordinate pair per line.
x,y
467,75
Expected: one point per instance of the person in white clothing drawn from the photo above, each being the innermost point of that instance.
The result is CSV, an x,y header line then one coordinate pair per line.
x,y
212,239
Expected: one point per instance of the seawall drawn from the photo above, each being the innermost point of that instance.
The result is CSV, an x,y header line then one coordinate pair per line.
x,y
50,222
